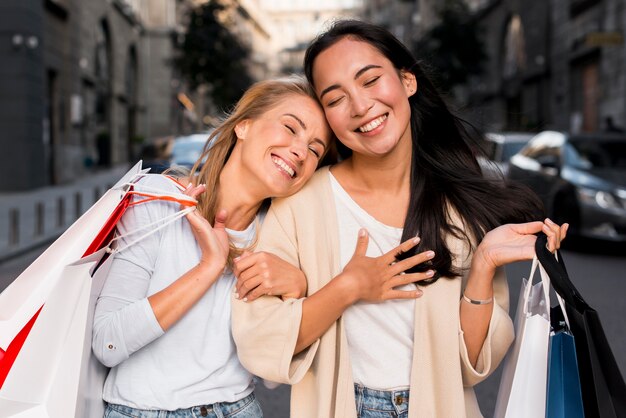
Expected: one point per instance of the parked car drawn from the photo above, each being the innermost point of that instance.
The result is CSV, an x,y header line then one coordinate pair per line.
x,y
500,147
187,149
580,178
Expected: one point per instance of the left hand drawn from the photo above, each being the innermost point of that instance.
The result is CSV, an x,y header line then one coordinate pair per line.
x,y
263,273
516,242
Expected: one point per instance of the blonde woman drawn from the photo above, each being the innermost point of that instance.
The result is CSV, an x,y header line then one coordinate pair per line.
x,y
162,321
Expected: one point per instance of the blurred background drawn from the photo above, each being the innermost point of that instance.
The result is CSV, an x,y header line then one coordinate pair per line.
x,y
88,87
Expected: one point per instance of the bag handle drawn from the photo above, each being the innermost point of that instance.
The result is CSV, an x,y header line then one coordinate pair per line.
x,y
545,280
558,274
188,202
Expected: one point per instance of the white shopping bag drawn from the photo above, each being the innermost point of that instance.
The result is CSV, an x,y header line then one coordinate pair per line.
x,y
28,292
522,392
45,378
55,374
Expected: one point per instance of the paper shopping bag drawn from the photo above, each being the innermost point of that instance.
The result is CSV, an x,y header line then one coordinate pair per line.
x,y
21,301
28,292
522,392
602,385
54,375
564,399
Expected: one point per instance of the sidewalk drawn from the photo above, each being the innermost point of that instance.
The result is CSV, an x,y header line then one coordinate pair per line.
x,y
36,217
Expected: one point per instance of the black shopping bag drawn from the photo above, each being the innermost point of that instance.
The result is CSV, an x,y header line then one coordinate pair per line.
x,y
602,385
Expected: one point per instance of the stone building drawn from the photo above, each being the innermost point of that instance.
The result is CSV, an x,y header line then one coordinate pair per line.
x,y
85,81
552,65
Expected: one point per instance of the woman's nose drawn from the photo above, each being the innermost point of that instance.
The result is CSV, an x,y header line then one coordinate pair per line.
x,y
359,105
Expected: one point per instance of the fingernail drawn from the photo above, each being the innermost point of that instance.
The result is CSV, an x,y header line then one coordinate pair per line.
x,y
430,273
236,259
417,240
430,254
362,232
418,293
548,220
245,299
237,296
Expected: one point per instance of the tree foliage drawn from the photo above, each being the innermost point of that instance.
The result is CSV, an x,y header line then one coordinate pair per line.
x,y
212,55
453,47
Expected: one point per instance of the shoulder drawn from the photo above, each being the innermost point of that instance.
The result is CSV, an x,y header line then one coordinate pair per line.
x,y
158,182
315,192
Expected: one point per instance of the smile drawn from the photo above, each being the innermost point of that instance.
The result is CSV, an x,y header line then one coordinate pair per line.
x,y
370,126
280,163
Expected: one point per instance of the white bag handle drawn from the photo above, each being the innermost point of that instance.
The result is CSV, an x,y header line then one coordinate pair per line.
x,y
545,279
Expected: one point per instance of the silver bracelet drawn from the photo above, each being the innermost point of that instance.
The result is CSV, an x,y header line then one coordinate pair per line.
x,y
477,301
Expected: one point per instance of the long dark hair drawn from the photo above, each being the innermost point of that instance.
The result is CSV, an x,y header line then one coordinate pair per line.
x,y
445,175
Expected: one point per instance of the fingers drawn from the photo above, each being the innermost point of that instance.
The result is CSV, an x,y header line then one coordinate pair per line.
x,y
555,234
220,219
402,279
528,228
246,260
244,287
411,262
403,294
361,243
194,191
393,255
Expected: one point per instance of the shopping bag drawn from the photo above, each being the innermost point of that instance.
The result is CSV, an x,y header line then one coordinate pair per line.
x,y
55,374
45,378
23,298
564,399
602,385
522,391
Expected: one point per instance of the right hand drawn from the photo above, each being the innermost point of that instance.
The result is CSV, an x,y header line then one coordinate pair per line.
x,y
375,279
212,240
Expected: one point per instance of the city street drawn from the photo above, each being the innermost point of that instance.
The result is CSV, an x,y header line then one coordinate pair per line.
x,y
598,270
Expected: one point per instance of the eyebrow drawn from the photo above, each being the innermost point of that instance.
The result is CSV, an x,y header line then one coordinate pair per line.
x,y
297,119
357,75
304,127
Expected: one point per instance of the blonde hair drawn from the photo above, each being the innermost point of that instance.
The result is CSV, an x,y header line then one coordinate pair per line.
x,y
258,99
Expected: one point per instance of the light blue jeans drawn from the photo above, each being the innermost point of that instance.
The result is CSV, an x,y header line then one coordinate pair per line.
x,y
372,403
247,407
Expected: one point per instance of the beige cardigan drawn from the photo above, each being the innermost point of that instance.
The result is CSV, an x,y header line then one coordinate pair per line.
x,y
302,229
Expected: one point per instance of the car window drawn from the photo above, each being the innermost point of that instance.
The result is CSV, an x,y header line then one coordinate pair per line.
x,y
587,154
509,149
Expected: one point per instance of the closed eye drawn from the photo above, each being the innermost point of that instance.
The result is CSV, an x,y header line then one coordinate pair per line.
x,y
371,81
293,131
314,151
335,101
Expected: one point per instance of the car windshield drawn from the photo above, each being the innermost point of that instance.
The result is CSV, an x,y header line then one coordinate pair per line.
x,y
187,151
588,154
510,149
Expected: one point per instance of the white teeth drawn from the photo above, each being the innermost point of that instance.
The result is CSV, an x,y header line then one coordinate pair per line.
x,y
284,166
373,124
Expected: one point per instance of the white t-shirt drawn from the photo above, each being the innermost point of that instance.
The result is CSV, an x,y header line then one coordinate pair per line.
x,y
380,335
193,363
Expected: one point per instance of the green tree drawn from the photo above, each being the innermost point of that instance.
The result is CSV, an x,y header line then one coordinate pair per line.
x,y
453,48
211,54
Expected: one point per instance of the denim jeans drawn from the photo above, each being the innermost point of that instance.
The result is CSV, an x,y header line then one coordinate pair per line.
x,y
371,403
247,407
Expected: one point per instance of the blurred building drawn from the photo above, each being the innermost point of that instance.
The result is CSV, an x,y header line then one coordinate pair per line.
x,y
297,22
85,81
557,65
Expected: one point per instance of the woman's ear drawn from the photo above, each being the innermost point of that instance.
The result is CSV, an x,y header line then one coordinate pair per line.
x,y
409,81
241,129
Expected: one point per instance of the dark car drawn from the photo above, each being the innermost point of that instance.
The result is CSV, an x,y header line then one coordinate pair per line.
x,y
499,147
581,179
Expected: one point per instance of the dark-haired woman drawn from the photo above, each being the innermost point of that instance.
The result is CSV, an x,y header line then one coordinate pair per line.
x,y
409,321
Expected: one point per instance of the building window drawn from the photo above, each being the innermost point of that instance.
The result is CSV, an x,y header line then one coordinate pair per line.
x,y
577,7
514,60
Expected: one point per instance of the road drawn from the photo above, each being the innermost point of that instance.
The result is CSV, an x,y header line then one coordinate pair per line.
x,y
597,270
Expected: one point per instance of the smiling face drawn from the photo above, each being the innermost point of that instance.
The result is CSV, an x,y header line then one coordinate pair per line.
x,y
280,150
365,98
